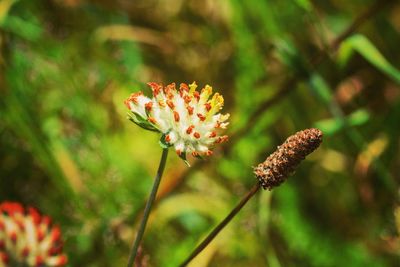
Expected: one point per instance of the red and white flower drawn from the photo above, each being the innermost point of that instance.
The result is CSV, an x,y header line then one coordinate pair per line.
x,y
189,120
27,238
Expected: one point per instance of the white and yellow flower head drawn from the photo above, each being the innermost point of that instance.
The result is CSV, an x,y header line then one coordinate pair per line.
x,y
189,120
28,239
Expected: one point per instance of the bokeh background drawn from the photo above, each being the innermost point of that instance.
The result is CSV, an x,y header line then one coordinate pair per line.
x,y
67,148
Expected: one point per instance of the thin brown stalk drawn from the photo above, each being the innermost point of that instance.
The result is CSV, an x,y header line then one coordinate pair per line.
x,y
221,225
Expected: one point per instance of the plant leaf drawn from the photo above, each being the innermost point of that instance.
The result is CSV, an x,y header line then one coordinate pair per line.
x,y
367,49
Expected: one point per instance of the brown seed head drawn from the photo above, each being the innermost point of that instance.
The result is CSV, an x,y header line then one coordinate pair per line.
x,y
282,163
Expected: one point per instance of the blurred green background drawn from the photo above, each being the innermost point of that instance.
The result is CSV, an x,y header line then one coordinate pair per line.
x,y
67,148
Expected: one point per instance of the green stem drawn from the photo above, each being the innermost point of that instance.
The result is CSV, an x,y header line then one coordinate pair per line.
x,y
221,225
147,209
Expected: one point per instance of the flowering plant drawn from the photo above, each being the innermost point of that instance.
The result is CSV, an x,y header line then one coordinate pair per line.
x,y
188,120
27,238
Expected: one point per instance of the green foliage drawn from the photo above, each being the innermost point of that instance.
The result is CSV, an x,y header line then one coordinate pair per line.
x,y
362,45
317,248
68,148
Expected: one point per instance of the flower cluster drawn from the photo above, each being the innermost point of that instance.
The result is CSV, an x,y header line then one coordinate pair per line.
x,y
188,119
27,238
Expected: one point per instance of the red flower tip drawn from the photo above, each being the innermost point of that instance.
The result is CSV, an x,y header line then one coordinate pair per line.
x,y
55,234
62,260
34,214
